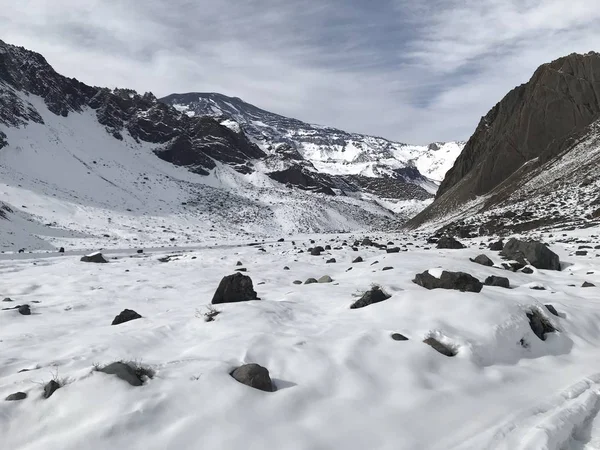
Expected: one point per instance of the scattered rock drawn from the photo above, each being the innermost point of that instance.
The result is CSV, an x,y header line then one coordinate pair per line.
x,y
254,376
316,251
61,250
331,261
234,288
286,268
527,270
94,258
298,282
239,263
241,269
311,281
325,279
496,246
439,347
140,251
50,388
24,310
552,309
538,255
7,299
483,260
16,397
449,280
367,241
581,253
374,295
448,242
538,288
387,268
357,260
123,371
393,250
539,324
125,316
399,337
497,281
587,284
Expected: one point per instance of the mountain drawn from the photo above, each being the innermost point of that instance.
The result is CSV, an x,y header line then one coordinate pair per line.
x,y
330,150
108,167
532,161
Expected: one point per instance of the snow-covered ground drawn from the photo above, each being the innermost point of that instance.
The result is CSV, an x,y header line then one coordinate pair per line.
x,y
342,382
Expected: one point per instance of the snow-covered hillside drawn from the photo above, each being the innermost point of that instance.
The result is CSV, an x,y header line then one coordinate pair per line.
x,y
341,380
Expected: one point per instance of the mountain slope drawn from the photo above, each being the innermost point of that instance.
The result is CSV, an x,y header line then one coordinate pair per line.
x,y
538,127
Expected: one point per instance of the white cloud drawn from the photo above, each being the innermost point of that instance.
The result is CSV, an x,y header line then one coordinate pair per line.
x,y
416,72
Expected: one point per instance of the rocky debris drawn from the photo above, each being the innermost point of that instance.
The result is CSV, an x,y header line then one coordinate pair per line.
x,y
399,337
587,284
16,397
50,388
24,310
483,260
325,279
125,316
496,246
460,281
330,261
374,295
357,260
444,349
538,255
255,376
125,372
539,324
448,242
552,309
94,258
311,281
235,288
497,281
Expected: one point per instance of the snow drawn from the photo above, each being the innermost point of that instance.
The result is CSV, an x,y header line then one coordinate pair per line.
x,y
342,382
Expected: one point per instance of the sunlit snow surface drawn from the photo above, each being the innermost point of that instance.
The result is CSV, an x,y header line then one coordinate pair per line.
x,y
342,382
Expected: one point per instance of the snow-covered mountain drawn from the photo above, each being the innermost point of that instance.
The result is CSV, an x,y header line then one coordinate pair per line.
x,y
330,150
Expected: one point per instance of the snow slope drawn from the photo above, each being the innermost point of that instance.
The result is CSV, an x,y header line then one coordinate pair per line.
x,y
342,382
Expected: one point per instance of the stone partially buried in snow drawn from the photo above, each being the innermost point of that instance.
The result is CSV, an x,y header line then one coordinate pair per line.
x,y
325,279
374,295
234,288
448,242
16,397
94,258
494,280
440,347
539,324
124,372
255,376
483,260
125,316
538,255
459,281
50,387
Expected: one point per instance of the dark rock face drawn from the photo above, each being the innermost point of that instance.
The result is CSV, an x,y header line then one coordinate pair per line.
x,y
497,281
123,371
50,388
255,376
375,295
483,260
440,347
234,288
460,281
94,258
539,119
16,397
538,255
448,242
125,316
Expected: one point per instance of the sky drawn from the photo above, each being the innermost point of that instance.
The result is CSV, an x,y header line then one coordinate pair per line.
x,y
415,71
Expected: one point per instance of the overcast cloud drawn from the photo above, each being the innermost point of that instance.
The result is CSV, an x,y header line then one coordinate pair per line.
x,y
413,71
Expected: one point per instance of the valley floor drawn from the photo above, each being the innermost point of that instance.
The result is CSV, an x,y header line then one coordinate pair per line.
x,y
342,382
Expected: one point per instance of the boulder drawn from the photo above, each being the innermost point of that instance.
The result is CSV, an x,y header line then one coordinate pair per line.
x,y
527,270
588,284
497,281
297,282
50,387
357,260
234,288
331,261
539,324
399,337
125,316
61,250
483,260
24,310
16,397
393,250
374,295
255,376
460,281
325,279
311,281
94,258
496,246
538,255
552,309
448,242
440,347
123,371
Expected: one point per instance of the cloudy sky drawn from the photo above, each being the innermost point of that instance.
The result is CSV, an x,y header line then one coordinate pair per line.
x,y
414,71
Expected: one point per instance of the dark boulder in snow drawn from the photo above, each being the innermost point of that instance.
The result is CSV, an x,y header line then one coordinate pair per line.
x,y
496,246
24,310
125,316
444,349
94,258
538,255
588,284
123,371
448,242
483,260
497,281
331,261
552,310
61,250
357,260
374,295
325,279
393,250
527,270
255,376
317,251
50,388
16,397
311,281
539,324
234,288
399,337
460,281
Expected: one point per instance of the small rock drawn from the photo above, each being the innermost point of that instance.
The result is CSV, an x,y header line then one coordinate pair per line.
x,y
539,324
387,268
125,316
331,261
527,270
24,310
61,250
439,347
298,282
393,250
399,337
372,296
552,309
254,376
140,251
581,253
483,260
538,255
94,258
587,284
16,397
286,268
497,281
357,260
123,371
496,246
311,281
239,263
325,279
50,388
7,299
241,269
460,281
448,242
234,288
